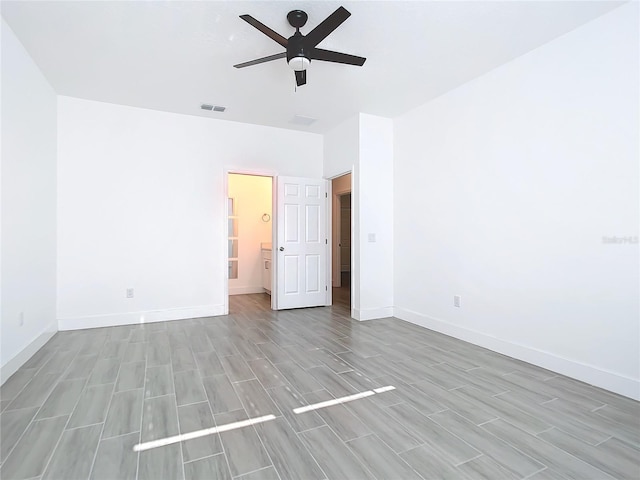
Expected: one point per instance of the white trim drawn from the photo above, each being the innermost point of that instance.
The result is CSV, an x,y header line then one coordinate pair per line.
x,y
355,238
328,281
590,374
245,290
26,353
274,241
225,241
131,318
372,313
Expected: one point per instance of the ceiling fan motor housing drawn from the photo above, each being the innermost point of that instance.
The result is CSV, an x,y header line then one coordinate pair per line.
x,y
297,54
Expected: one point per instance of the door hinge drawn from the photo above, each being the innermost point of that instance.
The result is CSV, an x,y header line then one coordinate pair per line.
x,y
326,288
326,241
326,195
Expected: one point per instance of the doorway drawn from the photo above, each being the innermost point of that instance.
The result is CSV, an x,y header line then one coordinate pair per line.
x,y
341,241
249,214
295,268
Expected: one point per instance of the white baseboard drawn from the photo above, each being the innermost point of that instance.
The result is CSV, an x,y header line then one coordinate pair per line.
x,y
590,374
245,290
130,318
371,313
26,353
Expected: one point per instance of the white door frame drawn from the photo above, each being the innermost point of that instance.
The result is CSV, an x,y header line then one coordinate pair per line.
x,y
225,227
328,216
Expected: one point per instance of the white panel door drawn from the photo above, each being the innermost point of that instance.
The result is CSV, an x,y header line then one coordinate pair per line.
x,y
301,243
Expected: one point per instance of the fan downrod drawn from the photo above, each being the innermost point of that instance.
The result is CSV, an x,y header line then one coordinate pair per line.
x,y
297,18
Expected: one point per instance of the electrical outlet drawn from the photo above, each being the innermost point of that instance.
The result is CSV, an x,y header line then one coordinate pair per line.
x,y
129,292
457,300
21,318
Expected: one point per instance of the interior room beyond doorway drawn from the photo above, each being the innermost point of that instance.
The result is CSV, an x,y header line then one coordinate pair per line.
x,y
341,240
250,199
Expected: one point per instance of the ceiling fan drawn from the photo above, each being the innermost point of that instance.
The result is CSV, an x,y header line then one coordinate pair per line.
x,y
301,49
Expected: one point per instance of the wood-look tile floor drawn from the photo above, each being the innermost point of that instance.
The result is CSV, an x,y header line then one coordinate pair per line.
x,y
78,407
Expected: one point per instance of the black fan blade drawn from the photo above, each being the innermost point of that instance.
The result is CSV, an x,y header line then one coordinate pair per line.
x,y
301,77
327,26
266,30
337,57
261,60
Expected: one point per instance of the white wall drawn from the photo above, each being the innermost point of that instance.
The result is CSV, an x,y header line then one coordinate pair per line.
x,y
141,205
504,189
364,144
341,155
28,245
342,147
253,197
375,220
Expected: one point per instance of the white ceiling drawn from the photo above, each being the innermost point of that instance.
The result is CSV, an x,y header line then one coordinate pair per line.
x,y
173,56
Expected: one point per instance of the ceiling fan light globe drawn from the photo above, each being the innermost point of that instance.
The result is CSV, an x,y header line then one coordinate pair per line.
x,y
299,63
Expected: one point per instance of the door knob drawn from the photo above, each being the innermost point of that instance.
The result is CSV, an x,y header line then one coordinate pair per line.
x,y
282,249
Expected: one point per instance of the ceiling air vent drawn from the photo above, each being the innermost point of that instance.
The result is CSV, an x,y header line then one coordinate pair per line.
x,y
300,120
216,108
